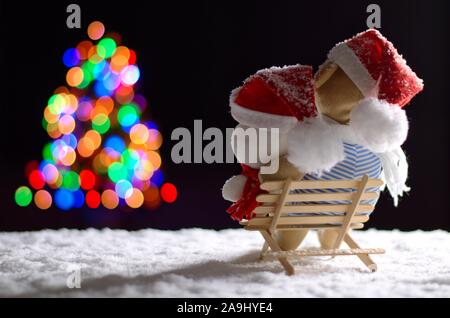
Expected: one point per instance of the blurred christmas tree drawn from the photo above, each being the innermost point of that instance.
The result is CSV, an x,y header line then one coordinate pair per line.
x,y
102,153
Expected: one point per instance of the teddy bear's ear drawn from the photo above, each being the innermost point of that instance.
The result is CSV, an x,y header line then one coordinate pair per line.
x,y
326,70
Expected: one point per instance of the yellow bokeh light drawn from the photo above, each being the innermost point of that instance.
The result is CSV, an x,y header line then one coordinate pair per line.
x,y
136,199
95,30
74,76
49,116
139,134
110,200
70,156
154,140
53,130
154,158
143,170
66,124
94,137
71,104
43,199
85,147
106,103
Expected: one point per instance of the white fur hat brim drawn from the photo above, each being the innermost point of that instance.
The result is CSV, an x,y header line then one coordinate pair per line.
x,y
256,119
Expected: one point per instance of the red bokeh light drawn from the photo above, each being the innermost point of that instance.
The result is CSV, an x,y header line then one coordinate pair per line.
x,y
132,59
36,179
93,199
168,192
87,179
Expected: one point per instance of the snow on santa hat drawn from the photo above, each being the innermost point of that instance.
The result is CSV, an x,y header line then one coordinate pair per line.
x,y
376,68
275,98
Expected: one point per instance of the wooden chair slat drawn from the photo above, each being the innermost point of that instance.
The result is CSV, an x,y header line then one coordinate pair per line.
x,y
320,184
330,252
314,208
354,226
315,197
320,219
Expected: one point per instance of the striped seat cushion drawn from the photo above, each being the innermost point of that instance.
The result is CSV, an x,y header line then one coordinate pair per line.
x,y
358,162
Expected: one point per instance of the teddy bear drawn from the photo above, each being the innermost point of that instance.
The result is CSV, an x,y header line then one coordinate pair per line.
x,y
275,98
347,122
360,92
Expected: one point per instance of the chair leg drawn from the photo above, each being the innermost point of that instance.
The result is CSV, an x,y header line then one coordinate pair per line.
x,y
365,258
264,250
275,247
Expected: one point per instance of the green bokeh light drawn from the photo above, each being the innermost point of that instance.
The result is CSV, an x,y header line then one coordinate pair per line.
x,y
128,115
71,181
47,153
101,123
117,171
106,48
23,196
130,157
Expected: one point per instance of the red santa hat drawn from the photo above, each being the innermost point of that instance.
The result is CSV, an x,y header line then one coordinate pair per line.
x,y
275,98
376,68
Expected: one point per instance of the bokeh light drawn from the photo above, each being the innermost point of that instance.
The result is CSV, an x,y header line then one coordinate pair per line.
x,y
88,179
136,199
23,196
124,188
93,199
139,134
169,192
117,171
71,57
106,47
110,200
130,75
128,115
43,199
74,76
96,30
101,152
36,179
64,199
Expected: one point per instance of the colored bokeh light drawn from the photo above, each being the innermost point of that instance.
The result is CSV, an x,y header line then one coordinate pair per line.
x,y
169,192
36,179
64,199
101,152
124,188
43,199
135,199
139,134
93,199
87,179
130,75
23,196
75,76
96,30
110,199
128,115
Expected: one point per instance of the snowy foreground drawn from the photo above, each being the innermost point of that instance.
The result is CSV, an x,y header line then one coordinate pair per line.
x,y
206,263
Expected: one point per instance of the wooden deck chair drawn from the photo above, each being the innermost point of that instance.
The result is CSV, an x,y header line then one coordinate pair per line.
x,y
279,205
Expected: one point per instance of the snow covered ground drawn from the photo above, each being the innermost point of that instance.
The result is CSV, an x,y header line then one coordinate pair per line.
x,y
206,263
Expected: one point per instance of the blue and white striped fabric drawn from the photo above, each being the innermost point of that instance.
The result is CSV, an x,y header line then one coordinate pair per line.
x,y
358,162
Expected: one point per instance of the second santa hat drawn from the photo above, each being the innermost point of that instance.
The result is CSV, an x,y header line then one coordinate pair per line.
x,y
376,68
277,97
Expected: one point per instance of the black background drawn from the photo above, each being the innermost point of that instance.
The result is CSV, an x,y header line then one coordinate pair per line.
x,y
192,54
